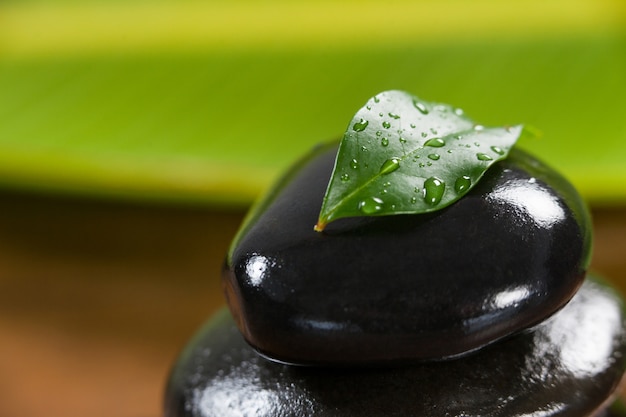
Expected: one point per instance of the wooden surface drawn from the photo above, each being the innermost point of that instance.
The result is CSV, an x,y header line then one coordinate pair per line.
x,y
97,298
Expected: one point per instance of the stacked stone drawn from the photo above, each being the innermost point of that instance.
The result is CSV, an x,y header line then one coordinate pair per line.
x,y
483,308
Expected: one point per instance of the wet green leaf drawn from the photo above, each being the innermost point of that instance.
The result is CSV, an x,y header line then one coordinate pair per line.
x,y
403,155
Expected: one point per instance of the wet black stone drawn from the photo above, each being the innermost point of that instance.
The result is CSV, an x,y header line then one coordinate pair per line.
x,y
568,365
507,255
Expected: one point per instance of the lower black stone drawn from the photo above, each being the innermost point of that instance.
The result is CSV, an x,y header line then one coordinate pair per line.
x,y
568,365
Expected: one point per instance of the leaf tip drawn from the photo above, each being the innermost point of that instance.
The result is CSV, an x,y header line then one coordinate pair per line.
x,y
530,132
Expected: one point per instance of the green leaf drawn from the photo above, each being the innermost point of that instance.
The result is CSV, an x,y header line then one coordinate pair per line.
x,y
403,155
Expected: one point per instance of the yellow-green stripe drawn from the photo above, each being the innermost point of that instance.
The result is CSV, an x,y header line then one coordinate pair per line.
x,y
34,29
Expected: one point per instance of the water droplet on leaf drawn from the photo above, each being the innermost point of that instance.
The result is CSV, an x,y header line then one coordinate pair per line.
x,y
390,165
345,177
371,205
394,116
433,190
435,143
483,157
434,156
386,124
420,107
462,184
354,164
497,150
360,125
384,141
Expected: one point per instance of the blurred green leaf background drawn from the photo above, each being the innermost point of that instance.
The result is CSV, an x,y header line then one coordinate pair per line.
x,y
205,102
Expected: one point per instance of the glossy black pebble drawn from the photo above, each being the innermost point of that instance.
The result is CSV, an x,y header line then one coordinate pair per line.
x,y
506,256
568,365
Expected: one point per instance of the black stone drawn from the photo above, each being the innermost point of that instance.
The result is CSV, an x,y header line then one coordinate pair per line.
x,y
376,289
569,365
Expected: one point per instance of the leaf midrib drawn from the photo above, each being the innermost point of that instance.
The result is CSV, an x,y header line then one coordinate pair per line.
x,y
401,159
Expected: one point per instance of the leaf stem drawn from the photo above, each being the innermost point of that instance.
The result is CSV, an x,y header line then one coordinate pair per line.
x,y
320,225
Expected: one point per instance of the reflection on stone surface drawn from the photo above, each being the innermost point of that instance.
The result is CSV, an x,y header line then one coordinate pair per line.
x,y
587,351
531,202
256,269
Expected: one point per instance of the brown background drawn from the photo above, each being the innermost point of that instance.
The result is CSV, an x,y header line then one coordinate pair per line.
x,y
97,298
